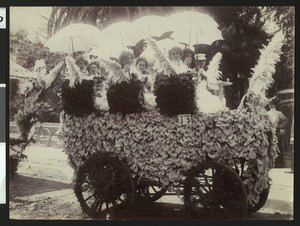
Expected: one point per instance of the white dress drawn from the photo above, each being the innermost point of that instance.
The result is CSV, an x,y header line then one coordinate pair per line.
x,y
149,97
207,102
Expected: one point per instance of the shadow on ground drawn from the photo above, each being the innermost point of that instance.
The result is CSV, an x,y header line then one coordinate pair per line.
x,y
21,186
168,211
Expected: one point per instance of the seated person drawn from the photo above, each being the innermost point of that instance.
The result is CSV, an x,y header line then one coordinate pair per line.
x,y
93,69
126,60
150,69
175,54
82,63
200,62
141,65
188,59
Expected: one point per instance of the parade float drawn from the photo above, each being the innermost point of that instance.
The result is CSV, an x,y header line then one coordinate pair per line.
x,y
217,163
123,151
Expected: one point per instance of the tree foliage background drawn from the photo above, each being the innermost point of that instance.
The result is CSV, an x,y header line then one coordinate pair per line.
x,y
25,52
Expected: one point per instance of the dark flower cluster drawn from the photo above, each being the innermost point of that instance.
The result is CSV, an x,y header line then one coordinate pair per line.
x,y
175,94
126,97
79,100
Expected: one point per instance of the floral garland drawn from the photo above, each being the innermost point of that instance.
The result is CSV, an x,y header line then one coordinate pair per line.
x,y
155,146
78,100
126,97
175,94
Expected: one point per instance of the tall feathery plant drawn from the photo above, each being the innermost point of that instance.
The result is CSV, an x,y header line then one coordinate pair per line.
x,y
74,73
213,72
162,63
114,70
263,71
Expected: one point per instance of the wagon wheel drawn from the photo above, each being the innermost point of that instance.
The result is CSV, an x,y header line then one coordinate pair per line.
x,y
103,185
214,190
149,191
44,137
254,207
263,197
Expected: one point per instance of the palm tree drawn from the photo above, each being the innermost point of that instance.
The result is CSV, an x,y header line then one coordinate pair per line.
x,y
101,16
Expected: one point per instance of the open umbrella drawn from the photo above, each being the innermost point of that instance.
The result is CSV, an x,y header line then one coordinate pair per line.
x,y
194,28
73,38
198,37
117,38
154,26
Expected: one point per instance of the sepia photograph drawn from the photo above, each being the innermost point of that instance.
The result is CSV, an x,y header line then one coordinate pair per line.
x,y
151,113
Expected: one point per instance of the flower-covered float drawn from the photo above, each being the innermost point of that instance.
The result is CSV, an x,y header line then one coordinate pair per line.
x,y
123,151
218,163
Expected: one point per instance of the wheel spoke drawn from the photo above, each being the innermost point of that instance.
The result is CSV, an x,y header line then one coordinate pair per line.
x,y
103,182
88,198
154,189
100,207
95,205
107,206
206,181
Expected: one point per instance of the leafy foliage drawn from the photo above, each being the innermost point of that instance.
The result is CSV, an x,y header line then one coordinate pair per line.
x,y
155,146
126,97
16,99
26,52
175,94
78,100
99,16
284,18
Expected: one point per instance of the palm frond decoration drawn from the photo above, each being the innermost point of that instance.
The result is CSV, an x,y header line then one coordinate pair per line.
x,y
114,70
213,73
40,70
263,71
162,63
47,79
74,73
24,86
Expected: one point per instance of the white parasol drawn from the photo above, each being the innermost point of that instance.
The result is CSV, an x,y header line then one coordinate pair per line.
x,y
115,38
194,28
73,38
153,25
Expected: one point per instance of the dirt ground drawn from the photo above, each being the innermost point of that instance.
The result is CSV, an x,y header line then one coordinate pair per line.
x,y
35,198
42,189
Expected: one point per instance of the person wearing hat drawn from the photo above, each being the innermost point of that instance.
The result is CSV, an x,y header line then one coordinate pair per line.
x,y
200,61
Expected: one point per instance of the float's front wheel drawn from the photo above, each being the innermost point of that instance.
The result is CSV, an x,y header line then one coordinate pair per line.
x,y
104,185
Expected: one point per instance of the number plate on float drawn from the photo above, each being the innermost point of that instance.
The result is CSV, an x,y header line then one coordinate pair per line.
x,y
184,119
